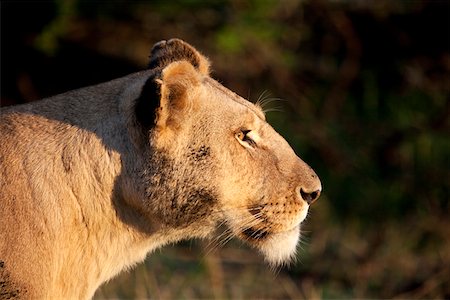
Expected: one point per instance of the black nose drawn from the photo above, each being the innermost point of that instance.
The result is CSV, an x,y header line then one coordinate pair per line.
x,y
310,198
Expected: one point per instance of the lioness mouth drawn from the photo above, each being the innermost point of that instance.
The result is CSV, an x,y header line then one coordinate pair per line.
x,y
255,234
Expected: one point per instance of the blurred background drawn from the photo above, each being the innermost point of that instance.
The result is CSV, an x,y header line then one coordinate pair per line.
x,y
360,89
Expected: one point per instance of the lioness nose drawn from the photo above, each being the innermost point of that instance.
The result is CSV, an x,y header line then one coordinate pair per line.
x,y
309,197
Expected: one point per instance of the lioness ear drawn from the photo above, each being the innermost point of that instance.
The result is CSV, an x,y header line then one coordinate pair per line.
x,y
163,75
165,52
177,82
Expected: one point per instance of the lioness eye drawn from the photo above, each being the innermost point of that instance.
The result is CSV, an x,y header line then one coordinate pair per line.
x,y
242,135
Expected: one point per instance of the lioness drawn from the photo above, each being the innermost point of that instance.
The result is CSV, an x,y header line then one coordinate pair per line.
x,y
94,179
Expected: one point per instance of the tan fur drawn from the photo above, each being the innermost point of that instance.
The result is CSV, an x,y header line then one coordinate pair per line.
x,y
88,186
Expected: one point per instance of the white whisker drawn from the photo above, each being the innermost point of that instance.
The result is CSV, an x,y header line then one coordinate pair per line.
x,y
264,100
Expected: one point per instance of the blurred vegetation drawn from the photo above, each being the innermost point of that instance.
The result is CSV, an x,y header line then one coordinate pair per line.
x,y
365,101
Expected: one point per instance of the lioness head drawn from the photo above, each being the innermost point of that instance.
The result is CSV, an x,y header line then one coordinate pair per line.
x,y
211,158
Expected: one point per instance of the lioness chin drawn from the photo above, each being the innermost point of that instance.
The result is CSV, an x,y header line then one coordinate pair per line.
x,y
94,179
